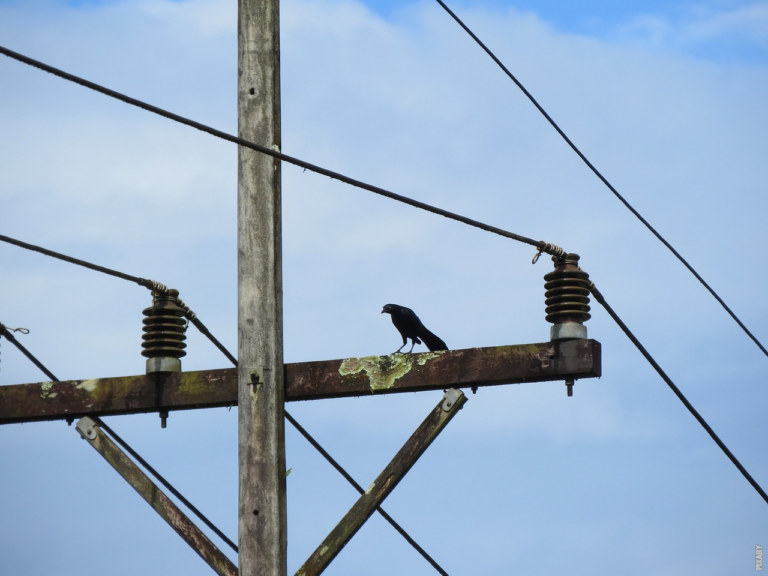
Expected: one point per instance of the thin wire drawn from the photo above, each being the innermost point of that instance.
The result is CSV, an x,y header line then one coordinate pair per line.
x,y
545,246
199,325
356,486
603,178
232,359
599,297
70,259
549,248
360,490
165,483
146,283
4,331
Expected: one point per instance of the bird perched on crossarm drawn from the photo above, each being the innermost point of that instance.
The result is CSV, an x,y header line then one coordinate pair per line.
x,y
409,326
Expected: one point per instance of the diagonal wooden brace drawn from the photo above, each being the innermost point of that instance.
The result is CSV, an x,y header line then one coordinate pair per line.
x,y
399,466
155,497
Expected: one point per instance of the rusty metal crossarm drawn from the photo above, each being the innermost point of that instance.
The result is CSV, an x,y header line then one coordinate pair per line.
x,y
156,498
471,367
366,505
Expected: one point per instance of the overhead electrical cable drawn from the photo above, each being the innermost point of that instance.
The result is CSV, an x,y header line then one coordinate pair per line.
x,y
165,483
540,244
151,284
601,299
361,491
7,333
348,477
4,332
603,178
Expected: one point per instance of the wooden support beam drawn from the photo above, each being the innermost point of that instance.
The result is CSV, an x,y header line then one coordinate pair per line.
x,y
440,370
403,461
305,381
156,498
71,399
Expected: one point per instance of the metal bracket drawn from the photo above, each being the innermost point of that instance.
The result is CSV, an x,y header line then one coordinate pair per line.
x,y
256,375
450,398
87,428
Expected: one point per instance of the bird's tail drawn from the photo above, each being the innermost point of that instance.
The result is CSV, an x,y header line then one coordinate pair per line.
x,y
432,342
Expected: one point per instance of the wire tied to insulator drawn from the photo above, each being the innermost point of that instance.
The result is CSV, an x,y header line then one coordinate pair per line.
x,y
188,314
153,285
160,289
552,249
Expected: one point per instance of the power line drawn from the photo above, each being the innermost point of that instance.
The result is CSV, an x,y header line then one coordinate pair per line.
x,y
360,490
165,483
151,284
603,178
71,260
541,245
348,477
5,332
599,297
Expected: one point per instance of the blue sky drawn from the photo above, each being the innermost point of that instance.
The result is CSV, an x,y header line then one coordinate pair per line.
x,y
667,99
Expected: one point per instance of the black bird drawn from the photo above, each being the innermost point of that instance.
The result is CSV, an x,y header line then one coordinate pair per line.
x,y
409,326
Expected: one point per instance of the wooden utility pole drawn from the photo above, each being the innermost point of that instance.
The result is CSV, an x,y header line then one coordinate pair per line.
x,y
261,383
262,531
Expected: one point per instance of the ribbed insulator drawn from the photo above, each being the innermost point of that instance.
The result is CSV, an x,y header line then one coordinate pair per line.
x,y
164,327
567,292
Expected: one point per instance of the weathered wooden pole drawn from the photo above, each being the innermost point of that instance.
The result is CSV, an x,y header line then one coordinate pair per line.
x,y
261,429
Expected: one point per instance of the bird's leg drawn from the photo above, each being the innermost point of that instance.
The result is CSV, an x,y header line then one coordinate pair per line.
x,y
401,347
413,343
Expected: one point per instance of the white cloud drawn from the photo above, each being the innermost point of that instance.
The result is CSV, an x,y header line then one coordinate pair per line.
x,y
747,23
742,27
206,17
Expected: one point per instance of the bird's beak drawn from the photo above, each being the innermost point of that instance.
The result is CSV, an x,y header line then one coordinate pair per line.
x,y
383,311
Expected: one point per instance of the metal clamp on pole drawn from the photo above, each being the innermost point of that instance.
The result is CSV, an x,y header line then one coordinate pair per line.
x,y
87,428
450,398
